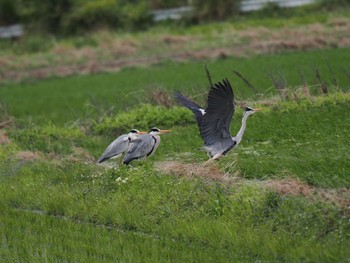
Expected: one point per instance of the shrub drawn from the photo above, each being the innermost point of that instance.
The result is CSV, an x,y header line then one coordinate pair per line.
x,y
94,14
334,3
112,14
270,9
145,117
158,4
8,12
46,15
136,16
33,44
215,10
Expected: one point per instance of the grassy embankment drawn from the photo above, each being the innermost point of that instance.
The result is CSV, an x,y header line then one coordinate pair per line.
x,y
57,204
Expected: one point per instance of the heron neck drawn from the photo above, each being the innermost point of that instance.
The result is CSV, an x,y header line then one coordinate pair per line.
x,y
241,131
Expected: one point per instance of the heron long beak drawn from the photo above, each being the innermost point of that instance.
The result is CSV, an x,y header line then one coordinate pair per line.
x,y
257,109
162,131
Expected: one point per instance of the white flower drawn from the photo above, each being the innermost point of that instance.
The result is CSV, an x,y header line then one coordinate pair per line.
x,y
118,179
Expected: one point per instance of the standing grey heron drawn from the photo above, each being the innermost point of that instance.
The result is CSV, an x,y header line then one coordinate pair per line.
x,y
214,121
119,145
144,146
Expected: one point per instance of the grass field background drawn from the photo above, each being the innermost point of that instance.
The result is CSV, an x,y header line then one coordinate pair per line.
x,y
58,205
60,100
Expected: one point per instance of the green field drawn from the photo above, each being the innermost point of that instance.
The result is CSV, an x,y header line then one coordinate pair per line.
x,y
57,205
67,99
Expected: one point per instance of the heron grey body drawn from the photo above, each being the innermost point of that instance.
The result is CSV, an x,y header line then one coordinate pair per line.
x,y
118,146
214,122
142,147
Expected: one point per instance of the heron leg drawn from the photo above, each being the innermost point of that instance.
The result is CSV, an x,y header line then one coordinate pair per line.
x,y
216,156
212,159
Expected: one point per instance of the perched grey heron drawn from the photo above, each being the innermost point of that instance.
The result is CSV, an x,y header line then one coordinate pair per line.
x,y
144,146
119,145
214,121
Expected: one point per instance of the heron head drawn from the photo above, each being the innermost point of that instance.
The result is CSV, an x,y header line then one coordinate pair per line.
x,y
156,131
134,133
250,111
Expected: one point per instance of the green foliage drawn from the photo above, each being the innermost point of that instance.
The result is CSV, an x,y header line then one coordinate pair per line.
x,y
215,10
72,16
35,44
75,16
145,117
48,139
136,16
270,9
8,12
159,4
46,15
95,14
84,41
334,4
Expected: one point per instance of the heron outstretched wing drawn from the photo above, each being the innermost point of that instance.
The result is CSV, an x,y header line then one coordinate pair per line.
x,y
215,124
194,107
140,148
118,146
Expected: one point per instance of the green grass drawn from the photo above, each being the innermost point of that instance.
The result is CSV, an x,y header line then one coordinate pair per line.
x,y
61,206
156,215
309,143
61,100
151,216
84,242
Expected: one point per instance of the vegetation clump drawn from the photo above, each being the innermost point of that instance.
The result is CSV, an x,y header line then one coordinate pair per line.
x,y
145,116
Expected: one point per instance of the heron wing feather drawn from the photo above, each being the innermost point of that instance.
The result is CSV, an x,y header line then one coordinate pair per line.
x,y
139,148
118,146
194,107
215,125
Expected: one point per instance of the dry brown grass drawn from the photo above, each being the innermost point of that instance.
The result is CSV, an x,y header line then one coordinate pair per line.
x,y
292,186
160,97
114,53
209,171
4,139
205,171
27,156
175,40
81,155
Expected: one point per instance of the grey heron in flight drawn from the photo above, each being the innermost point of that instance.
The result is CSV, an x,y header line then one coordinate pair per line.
x,y
119,145
144,146
214,121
